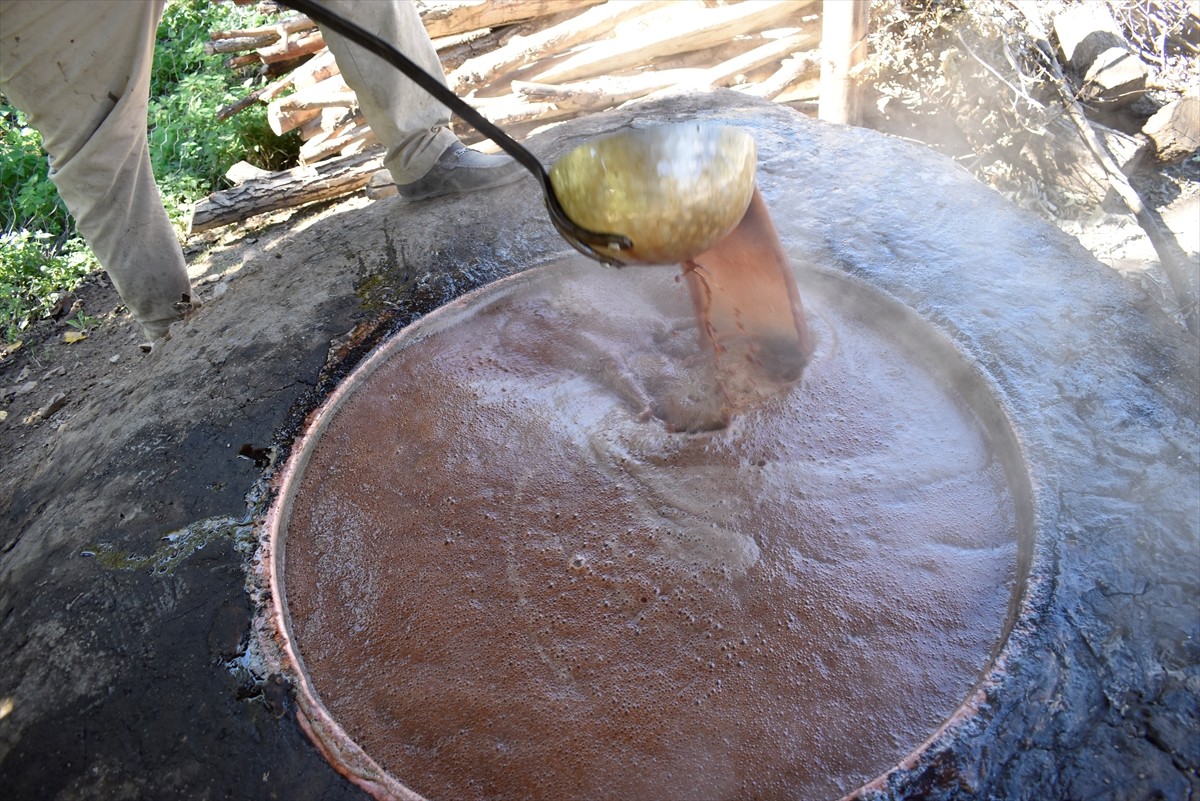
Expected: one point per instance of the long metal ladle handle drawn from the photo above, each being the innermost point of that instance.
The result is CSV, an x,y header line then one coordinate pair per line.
x,y
583,239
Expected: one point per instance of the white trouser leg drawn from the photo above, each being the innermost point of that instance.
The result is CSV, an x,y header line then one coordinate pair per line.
x,y
408,121
81,72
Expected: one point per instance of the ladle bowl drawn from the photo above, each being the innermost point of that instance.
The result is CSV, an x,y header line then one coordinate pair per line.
x,y
652,196
674,190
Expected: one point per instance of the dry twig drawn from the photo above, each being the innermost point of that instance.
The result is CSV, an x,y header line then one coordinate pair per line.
x,y
1170,254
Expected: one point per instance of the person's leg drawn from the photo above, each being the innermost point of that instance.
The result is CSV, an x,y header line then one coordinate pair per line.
x,y
424,158
81,72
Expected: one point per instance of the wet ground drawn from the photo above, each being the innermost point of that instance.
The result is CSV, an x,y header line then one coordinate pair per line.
x,y
128,515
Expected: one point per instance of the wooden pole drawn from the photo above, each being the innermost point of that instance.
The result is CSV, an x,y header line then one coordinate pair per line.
x,y
843,47
283,190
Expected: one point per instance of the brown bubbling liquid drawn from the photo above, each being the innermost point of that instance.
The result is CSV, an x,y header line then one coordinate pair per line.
x,y
508,580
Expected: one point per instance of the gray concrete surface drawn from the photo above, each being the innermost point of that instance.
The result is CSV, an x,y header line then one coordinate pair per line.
x,y
123,652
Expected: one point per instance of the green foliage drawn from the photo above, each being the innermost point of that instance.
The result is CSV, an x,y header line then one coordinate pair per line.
x,y
41,254
28,197
83,321
191,154
189,150
34,272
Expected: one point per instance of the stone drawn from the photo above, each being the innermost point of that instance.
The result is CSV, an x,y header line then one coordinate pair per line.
x,y
1094,49
1127,150
21,389
1082,175
1175,128
1116,79
1084,31
49,409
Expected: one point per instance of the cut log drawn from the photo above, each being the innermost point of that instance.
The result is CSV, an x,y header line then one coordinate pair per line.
x,y
802,95
772,50
450,18
328,123
240,44
312,71
604,92
593,24
532,102
244,60
1175,128
292,111
312,152
1094,49
1171,256
792,71
512,109
727,72
843,47
289,25
705,58
294,187
1085,30
359,146
294,47
548,102
1117,78
244,171
318,68
454,51
450,42
333,99
679,28
277,69
283,122
330,92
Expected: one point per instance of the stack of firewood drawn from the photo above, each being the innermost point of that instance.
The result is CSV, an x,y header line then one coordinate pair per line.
x,y
522,64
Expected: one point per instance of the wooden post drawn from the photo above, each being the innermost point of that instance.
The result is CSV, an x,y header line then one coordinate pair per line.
x,y
843,47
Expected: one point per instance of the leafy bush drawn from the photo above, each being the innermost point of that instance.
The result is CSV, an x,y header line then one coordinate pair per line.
x,y
34,272
29,199
41,254
189,152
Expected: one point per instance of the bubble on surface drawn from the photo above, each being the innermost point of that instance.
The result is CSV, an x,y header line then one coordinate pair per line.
x,y
780,609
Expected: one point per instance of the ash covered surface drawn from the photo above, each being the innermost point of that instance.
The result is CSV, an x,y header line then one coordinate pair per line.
x,y
126,517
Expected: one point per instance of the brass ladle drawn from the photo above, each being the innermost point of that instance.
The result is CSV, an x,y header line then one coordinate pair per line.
x,y
660,195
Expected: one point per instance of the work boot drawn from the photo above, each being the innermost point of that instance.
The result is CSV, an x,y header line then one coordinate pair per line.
x,y
459,169
157,331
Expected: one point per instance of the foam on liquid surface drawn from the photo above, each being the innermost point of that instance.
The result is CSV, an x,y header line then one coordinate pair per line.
x,y
507,579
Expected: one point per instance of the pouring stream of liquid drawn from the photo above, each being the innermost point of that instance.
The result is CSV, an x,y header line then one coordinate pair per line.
x,y
749,312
